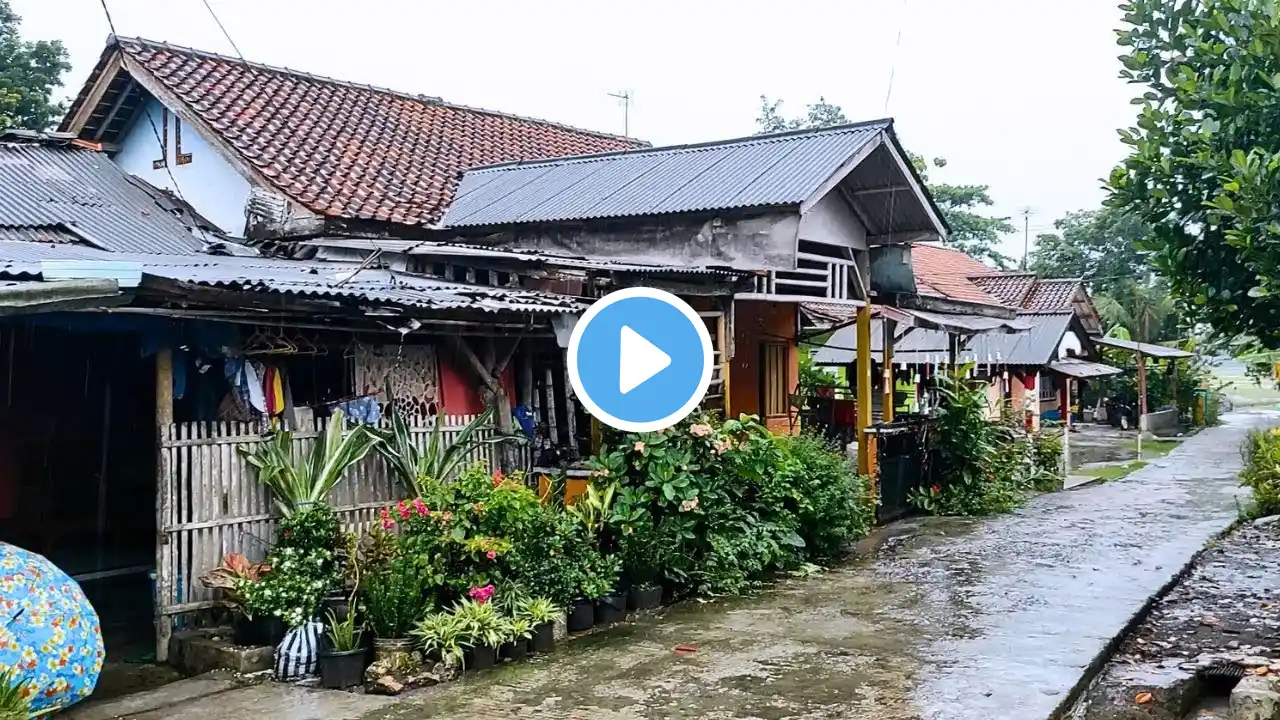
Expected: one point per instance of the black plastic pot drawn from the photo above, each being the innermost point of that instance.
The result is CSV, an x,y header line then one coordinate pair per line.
x,y
259,631
339,605
544,638
341,670
514,650
582,615
644,597
611,609
480,657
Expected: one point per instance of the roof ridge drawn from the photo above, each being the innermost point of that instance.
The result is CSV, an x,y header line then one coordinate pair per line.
x,y
120,40
887,124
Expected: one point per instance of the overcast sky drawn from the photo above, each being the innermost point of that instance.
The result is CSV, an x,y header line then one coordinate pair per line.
x,y
1021,95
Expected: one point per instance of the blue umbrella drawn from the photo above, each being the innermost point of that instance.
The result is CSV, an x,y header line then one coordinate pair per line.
x,y
49,635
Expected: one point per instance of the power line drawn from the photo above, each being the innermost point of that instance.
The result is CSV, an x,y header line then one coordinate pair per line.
x,y
111,23
225,34
893,66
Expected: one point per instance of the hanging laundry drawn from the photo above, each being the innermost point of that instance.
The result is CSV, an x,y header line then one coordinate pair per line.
x,y
273,391
253,372
362,410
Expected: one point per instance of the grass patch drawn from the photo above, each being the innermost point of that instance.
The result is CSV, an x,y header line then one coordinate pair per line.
x,y
1152,448
1113,472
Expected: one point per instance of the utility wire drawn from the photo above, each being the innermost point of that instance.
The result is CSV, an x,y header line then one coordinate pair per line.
x,y
111,23
893,66
221,27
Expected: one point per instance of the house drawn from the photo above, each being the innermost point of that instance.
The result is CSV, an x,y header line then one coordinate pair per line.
x,y
817,216
269,152
1029,370
142,349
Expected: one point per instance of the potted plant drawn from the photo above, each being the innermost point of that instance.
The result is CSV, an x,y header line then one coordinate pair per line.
x,y
342,663
233,577
519,630
442,635
486,631
582,614
393,600
600,588
299,483
542,615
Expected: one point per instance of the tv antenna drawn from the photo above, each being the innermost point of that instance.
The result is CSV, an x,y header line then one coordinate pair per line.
x,y
1027,212
625,97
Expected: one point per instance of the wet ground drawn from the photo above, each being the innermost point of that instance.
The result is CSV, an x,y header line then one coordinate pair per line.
x,y
1227,608
949,620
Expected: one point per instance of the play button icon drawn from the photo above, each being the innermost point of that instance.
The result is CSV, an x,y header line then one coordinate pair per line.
x,y
640,359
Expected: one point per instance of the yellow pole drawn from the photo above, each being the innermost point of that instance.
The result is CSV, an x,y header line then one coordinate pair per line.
x,y
887,402
722,344
863,383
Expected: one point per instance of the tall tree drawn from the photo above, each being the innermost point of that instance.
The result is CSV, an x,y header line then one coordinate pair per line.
x,y
29,73
1096,245
972,232
1204,155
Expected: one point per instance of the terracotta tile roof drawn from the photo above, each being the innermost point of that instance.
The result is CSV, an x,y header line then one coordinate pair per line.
x,y
945,272
346,150
1009,288
1051,295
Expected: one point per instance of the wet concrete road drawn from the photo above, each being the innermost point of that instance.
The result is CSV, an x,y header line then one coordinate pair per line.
x,y
949,620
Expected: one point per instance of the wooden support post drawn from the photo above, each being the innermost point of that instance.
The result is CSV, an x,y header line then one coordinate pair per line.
x,y
570,411
887,401
866,453
1142,398
722,345
164,501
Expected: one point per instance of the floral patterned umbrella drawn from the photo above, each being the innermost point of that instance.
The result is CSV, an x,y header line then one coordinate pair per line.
x,y
49,634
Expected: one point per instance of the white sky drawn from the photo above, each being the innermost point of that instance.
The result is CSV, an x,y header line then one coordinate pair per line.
x,y
1021,95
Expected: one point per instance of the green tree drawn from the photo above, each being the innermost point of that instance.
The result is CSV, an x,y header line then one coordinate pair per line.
x,y
1144,310
29,72
1099,246
972,232
1204,155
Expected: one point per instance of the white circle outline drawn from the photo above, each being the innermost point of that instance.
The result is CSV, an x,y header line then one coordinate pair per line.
x,y
653,294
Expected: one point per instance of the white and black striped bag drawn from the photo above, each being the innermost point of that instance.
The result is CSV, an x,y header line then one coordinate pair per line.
x,y
298,655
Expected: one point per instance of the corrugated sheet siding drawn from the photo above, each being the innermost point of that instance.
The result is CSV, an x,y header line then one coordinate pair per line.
x,y
752,172
44,186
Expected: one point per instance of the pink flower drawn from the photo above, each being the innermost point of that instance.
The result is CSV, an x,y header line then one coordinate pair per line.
x,y
639,446
491,554
722,446
498,478
388,524
403,510
447,516
420,507
481,594
700,430
688,505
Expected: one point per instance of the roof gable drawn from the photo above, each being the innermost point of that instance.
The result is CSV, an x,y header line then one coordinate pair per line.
x,y
945,272
340,149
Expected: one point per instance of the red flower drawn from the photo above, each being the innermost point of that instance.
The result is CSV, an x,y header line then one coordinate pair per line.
x,y
388,524
481,594
403,510
936,490
491,554
421,507
498,478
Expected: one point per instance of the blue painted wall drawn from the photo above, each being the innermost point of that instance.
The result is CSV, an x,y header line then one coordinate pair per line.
x,y
209,183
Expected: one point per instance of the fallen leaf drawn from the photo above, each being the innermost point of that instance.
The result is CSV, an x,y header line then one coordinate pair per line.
x,y
686,649
1143,698
1261,670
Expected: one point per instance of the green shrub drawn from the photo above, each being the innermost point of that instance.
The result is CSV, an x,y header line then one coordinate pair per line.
x,y
394,597
1261,472
833,503
1046,459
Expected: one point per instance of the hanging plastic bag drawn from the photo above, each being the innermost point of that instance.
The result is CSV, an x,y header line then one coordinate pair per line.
x,y
298,655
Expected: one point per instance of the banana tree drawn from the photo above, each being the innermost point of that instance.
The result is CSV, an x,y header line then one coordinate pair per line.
x,y
299,482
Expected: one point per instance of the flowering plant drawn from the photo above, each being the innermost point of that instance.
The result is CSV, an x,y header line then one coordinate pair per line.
x,y
481,594
292,590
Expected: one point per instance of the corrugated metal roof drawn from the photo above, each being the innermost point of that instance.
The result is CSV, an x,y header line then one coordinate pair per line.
x,y
311,279
49,184
1037,346
1078,368
767,170
1148,349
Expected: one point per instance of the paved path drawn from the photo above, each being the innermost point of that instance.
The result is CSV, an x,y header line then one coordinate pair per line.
x,y
950,620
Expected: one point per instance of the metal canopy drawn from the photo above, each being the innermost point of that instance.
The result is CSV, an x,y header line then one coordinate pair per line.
x,y
1148,349
957,324
1083,369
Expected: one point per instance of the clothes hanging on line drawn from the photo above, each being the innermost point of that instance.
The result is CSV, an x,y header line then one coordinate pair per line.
x,y
365,409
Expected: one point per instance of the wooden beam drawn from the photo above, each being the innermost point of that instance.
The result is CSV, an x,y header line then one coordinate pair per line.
x,y
482,371
863,385
115,108
880,190
113,66
903,238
